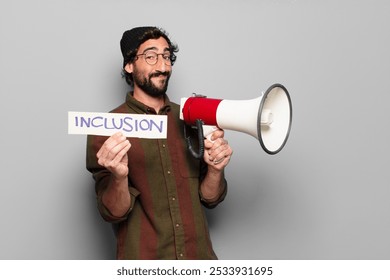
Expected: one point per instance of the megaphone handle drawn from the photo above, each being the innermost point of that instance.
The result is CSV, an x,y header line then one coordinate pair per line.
x,y
198,155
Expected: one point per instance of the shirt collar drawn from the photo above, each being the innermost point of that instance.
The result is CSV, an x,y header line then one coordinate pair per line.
x,y
141,108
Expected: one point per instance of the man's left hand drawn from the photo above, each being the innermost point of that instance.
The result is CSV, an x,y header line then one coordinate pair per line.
x,y
217,151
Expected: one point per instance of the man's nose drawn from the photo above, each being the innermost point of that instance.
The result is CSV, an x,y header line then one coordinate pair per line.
x,y
160,65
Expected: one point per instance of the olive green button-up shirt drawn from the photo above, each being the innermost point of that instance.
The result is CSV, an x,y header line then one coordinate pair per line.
x,y
166,219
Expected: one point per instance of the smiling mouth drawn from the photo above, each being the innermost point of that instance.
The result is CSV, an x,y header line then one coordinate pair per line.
x,y
160,79
157,75
160,76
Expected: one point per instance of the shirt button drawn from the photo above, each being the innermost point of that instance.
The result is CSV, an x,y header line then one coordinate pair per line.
x,y
169,172
177,225
173,198
181,255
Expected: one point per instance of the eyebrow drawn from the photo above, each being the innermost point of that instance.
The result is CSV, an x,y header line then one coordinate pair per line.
x,y
154,49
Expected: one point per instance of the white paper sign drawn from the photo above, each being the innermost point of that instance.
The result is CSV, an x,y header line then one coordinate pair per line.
x,y
106,124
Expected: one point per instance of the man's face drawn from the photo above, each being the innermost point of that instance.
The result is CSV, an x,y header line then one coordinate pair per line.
x,y
152,79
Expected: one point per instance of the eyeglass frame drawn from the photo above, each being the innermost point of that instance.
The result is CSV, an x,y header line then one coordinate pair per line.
x,y
167,61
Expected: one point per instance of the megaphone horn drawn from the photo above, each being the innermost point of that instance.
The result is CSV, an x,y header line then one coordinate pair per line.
x,y
267,118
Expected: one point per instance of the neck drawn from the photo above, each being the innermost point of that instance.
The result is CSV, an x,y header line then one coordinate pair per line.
x,y
154,102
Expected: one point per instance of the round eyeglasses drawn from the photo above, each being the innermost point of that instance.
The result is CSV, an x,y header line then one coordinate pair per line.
x,y
151,57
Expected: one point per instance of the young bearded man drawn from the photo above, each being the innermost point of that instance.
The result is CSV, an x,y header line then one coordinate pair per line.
x,y
153,190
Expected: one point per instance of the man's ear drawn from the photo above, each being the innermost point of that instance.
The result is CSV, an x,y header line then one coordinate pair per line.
x,y
129,68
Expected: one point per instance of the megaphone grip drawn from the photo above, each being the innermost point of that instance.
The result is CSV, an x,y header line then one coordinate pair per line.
x,y
200,108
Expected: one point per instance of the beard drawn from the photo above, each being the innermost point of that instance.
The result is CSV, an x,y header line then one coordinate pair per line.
x,y
146,84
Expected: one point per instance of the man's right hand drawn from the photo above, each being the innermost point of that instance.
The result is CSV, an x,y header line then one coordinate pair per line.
x,y
113,155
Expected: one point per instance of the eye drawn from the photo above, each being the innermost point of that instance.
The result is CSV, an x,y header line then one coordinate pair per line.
x,y
166,56
151,56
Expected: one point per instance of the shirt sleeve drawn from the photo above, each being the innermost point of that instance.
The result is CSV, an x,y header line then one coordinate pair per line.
x,y
102,177
213,204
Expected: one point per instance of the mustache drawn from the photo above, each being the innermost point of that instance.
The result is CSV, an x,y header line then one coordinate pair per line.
x,y
157,74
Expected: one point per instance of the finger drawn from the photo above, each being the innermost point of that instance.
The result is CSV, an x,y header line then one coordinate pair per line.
x,y
110,148
110,143
208,144
225,159
112,153
218,161
118,154
217,134
109,156
219,146
118,166
121,153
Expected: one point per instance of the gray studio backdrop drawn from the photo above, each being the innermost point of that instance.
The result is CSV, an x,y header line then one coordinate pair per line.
x,y
325,196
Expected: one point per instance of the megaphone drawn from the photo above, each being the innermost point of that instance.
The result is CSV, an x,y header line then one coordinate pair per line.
x,y
267,118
